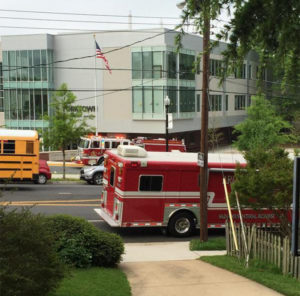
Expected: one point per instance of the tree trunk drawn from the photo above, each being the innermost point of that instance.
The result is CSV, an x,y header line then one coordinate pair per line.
x,y
64,164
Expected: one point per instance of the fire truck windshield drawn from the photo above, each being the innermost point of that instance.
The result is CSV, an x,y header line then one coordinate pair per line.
x,y
84,143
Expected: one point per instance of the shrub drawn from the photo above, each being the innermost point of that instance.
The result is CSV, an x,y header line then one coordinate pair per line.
x,y
81,244
29,264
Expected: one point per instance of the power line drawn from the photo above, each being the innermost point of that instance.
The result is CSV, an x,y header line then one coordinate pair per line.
x,y
87,14
83,21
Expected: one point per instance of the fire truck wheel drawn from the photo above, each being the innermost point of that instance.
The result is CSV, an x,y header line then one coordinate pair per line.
x,y
181,224
98,179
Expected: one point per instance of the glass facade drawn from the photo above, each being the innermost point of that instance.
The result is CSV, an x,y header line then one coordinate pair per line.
x,y
161,66
27,82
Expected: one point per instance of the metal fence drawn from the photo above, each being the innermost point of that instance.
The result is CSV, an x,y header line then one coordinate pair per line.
x,y
264,245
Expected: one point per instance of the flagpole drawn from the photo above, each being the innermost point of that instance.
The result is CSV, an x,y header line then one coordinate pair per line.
x,y
96,109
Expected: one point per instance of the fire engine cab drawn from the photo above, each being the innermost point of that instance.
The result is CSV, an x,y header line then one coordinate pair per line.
x,y
143,188
91,148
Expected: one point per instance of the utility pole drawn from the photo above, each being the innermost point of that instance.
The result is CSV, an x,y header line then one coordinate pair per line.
x,y
205,8
204,123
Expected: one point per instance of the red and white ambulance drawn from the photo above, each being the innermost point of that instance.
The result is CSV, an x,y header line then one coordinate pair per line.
x,y
162,189
159,144
91,148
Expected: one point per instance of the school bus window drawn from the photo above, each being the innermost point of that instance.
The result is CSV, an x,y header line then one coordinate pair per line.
x,y
29,147
9,146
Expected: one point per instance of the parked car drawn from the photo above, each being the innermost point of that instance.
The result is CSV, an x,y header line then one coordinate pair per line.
x,y
93,174
44,172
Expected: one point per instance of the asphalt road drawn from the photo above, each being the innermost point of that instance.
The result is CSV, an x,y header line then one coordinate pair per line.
x,y
78,200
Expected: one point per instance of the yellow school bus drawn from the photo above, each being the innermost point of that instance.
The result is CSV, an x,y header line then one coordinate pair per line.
x,y
19,154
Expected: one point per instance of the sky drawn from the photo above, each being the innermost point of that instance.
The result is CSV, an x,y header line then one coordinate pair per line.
x,y
108,15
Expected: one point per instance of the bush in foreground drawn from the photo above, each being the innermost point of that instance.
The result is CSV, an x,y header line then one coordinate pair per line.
x,y
29,264
81,244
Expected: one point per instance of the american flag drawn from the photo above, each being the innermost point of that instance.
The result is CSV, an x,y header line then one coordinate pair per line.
x,y
100,55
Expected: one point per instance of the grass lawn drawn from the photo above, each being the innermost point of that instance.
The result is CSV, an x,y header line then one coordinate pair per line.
x,y
216,243
94,282
265,274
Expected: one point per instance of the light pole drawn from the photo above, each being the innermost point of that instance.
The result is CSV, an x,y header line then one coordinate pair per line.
x,y
167,104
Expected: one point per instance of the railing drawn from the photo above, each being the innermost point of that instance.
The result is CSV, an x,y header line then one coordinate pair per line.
x,y
263,245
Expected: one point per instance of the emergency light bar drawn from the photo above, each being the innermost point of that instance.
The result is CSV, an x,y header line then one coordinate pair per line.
x,y
133,151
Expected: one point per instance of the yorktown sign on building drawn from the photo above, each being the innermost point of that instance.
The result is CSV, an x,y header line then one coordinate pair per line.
x,y
82,108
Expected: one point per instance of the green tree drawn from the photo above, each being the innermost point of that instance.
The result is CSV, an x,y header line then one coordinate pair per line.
x,y
267,182
271,28
65,125
262,128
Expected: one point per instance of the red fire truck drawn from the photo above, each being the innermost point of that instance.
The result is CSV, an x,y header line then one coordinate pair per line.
x,y
91,148
162,189
159,144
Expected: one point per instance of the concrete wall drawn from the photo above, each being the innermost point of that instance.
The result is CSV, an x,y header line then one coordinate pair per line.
x,y
57,155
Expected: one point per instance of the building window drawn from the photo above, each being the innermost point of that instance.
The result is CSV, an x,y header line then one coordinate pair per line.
x,y
240,72
187,99
147,64
215,103
215,67
151,183
249,72
186,63
249,101
198,103
28,65
226,102
148,100
172,94
239,102
171,60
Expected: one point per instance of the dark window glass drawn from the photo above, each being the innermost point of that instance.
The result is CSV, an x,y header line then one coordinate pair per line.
x,y
158,64
186,66
5,66
45,103
24,64
8,146
12,65
137,65
37,63
226,103
44,66
107,145
38,104
137,104
215,103
198,103
112,176
147,64
95,144
151,183
172,94
187,99
171,57
29,147
115,144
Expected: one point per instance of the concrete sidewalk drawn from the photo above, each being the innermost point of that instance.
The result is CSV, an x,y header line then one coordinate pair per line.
x,y
170,269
